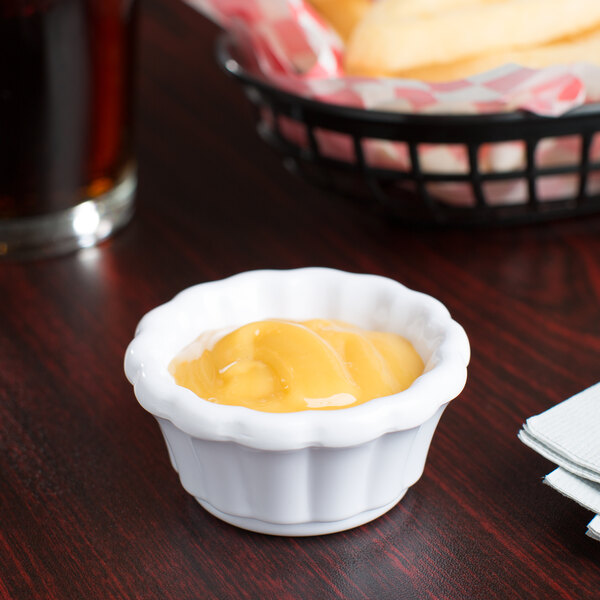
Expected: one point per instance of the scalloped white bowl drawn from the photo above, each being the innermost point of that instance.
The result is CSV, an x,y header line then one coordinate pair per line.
x,y
309,472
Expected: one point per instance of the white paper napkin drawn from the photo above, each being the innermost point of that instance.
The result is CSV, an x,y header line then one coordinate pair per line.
x,y
584,492
568,434
594,528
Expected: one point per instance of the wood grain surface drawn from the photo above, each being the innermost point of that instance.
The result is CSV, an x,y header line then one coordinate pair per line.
x,y
90,507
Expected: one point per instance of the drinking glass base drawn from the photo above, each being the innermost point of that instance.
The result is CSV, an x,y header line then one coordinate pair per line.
x,y
81,226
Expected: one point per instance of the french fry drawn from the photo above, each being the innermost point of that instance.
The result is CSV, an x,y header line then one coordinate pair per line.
x,y
400,9
342,15
386,42
584,48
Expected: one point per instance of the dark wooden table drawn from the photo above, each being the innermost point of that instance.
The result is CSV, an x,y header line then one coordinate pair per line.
x,y
89,504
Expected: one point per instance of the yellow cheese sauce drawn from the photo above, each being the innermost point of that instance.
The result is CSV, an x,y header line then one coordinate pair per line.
x,y
288,366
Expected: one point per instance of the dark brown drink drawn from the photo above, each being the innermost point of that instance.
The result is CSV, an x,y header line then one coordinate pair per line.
x,y
65,102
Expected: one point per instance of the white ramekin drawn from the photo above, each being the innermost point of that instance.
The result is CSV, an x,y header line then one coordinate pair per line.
x,y
309,472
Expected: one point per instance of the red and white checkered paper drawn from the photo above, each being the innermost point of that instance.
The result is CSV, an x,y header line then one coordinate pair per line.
x,y
296,50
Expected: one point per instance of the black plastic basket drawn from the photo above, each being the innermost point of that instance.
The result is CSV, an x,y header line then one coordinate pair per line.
x,y
409,194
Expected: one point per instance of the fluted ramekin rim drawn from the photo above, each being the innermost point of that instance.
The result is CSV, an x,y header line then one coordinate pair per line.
x,y
147,369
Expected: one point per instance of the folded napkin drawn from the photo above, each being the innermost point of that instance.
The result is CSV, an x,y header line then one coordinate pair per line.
x,y
568,434
594,528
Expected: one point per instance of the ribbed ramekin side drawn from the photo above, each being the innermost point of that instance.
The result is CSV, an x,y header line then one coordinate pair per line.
x,y
417,456
241,481
299,486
